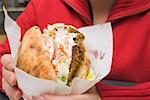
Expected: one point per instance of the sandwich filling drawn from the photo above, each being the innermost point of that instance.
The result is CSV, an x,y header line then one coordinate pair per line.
x,y
64,50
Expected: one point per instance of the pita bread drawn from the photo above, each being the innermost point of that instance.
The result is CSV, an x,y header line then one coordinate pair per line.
x,y
33,57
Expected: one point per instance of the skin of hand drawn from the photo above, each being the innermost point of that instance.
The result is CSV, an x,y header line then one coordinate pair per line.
x,y
89,95
9,83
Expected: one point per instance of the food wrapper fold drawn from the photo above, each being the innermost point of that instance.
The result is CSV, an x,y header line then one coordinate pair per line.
x,y
99,44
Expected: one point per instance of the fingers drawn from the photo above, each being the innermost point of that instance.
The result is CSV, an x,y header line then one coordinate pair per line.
x,y
90,95
12,92
93,93
70,97
9,77
92,90
7,61
53,97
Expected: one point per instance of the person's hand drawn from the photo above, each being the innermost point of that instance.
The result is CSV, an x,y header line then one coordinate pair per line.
x,y
9,83
90,95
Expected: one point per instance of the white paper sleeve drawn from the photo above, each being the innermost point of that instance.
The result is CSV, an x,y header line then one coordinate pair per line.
x,y
99,43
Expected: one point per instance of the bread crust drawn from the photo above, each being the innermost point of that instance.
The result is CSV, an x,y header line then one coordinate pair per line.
x,y
33,57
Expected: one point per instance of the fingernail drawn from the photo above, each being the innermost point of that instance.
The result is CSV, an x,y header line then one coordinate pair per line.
x,y
18,95
41,98
11,66
12,80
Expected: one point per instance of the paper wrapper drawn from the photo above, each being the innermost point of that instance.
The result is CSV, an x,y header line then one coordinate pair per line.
x,y
99,43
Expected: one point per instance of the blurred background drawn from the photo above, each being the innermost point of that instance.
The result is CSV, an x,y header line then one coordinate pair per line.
x,y
15,8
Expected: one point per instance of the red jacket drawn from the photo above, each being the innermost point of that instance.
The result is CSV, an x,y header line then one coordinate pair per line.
x,y
131,29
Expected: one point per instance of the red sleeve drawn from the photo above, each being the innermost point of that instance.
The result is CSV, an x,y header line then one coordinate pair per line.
x,y
26,20
138,92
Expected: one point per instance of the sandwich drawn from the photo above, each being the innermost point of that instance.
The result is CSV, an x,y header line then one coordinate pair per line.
x,y
58,53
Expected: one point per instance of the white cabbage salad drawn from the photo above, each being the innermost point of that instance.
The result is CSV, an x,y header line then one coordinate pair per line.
x,y
59,42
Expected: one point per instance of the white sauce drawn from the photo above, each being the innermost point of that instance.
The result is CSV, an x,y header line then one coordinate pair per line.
x,y
61,44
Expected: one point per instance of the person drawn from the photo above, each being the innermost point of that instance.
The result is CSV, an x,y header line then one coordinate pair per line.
x,y
131,39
